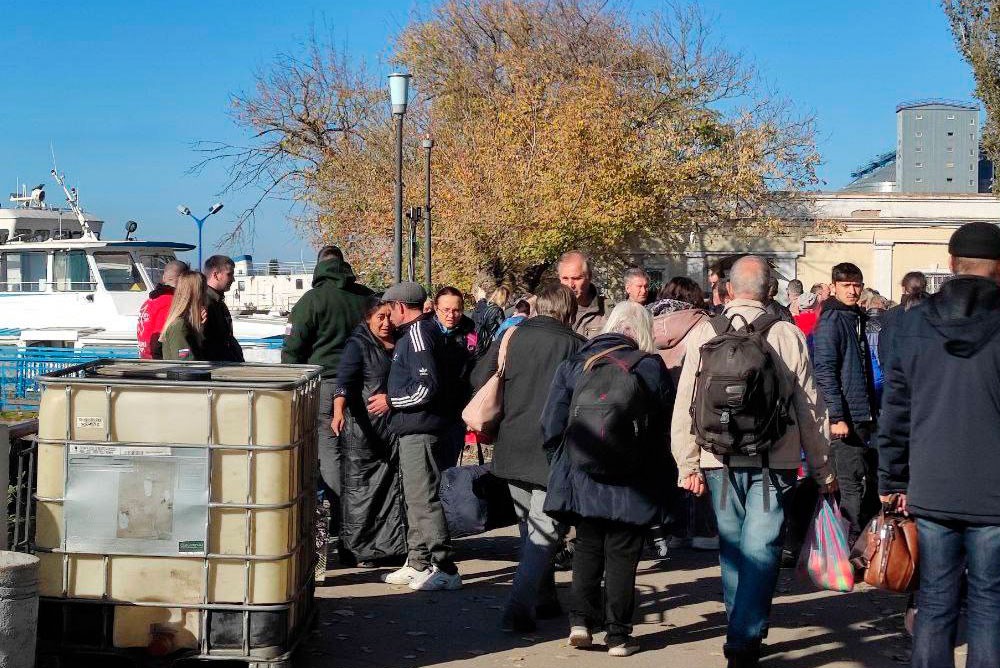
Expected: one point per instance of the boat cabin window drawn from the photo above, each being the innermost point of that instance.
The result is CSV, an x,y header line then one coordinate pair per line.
x,y
23,271
22,234
70,271
118,272
154,263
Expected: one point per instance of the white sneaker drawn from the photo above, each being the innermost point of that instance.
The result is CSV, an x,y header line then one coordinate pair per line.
x,y
705,543
404,575
580,637
434,579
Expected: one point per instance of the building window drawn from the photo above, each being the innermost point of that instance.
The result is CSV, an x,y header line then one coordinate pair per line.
x,y
951,149
951,117
920,117
918,149
920,134
918,179
920,164
949,165
936,279
971,182
972,168
972,121
971,137
241,286
951,134
298,283
949,179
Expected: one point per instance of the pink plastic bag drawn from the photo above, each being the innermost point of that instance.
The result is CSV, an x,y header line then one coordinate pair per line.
x,y
825,555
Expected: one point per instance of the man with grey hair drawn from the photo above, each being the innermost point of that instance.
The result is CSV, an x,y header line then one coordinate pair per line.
x,y
750,524
153,312
592,309
637,285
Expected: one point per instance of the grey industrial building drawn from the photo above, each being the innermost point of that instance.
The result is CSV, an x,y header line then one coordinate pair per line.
x,y
937,151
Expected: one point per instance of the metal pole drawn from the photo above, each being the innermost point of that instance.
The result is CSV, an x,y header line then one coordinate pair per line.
x,y
201,222
428,145
398,230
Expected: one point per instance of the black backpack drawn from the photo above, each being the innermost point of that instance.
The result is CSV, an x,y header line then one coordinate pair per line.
x,y
609,416
737,407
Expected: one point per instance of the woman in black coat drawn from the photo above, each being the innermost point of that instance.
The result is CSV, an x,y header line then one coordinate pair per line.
x,y
611,513
373,524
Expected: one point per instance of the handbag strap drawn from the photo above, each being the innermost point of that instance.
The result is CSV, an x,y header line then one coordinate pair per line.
x,y
502,357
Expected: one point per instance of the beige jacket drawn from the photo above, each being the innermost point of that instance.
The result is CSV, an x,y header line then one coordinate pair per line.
x,y
807,410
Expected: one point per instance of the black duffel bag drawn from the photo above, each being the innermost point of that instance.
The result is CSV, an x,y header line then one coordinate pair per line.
x,y
474,500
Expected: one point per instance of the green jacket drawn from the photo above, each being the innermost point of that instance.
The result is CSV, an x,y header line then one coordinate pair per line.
x,y
323,319
181,343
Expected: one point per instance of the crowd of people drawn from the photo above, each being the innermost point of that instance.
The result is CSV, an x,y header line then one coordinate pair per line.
x,y
705,412
186,317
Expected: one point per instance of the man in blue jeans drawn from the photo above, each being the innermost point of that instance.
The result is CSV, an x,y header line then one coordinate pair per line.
x,y
938,449
750,511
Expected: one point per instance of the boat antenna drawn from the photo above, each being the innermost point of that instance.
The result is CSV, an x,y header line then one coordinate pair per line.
x,y
73,198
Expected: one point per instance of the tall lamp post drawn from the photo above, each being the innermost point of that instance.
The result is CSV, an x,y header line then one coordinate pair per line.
x,y
399,88
184,211
428,144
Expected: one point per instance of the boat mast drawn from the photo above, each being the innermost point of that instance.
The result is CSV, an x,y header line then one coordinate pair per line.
x,y
74,203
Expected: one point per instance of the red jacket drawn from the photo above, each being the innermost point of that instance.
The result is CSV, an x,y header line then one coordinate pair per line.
x,y
152,315
806,320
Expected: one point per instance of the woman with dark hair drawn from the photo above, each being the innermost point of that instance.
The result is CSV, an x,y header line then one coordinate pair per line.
x,y
458,356
680,310
373,524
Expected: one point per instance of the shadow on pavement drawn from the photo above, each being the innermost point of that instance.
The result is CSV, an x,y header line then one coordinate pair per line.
x,y
364,623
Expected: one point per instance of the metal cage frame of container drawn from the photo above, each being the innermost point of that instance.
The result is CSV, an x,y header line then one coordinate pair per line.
x,y
304,400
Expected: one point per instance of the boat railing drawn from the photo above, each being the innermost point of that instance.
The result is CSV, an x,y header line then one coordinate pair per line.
x,y
21,366
278,268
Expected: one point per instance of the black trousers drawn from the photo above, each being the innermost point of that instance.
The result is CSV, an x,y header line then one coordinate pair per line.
x,y
611,550
856,466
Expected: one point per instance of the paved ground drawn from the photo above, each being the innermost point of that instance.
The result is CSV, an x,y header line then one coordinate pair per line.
x,y
364,623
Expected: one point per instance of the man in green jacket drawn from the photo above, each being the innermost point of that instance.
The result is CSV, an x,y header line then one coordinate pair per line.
x,y
318,328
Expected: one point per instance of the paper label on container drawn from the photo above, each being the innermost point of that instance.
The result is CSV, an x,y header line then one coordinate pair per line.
x,y
119,451
83,422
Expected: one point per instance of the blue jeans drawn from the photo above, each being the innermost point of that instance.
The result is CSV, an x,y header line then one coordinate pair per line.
x,y
947,549
750,541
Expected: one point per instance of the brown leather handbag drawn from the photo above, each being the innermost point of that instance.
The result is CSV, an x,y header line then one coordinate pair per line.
x,y
887,550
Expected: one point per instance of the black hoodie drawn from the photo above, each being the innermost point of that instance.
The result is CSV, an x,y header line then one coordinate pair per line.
x,y
938,439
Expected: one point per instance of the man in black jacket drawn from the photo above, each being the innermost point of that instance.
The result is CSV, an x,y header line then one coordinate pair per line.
x,y
220,343
939,447
535,350
416,415
845,378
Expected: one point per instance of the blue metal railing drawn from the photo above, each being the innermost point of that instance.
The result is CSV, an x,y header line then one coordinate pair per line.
x,y
19,367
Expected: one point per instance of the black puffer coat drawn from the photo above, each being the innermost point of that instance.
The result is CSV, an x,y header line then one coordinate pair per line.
x,y
373,515
843,365
573,494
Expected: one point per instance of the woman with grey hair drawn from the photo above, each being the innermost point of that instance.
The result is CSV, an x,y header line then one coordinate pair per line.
x,y
590,422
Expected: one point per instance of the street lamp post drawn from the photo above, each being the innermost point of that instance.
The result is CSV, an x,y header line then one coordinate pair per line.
x,y
399,85
184,211
428,144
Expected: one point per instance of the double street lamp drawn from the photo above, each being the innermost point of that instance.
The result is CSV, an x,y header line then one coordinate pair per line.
x,y
399,89
184,211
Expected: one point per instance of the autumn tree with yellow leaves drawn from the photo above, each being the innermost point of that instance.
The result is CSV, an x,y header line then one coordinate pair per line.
x,y
558,124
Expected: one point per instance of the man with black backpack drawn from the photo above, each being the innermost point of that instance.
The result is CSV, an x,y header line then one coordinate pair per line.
x,y
746,407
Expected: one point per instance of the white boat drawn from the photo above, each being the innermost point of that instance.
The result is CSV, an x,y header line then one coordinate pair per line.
x,y
63,285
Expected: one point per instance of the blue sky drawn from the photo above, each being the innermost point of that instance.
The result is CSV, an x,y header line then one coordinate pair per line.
x,y
121,90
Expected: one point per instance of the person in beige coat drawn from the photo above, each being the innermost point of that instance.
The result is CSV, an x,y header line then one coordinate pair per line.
x,y
750,530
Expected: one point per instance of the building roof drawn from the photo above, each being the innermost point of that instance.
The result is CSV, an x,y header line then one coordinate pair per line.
x,y
937,102
875,180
